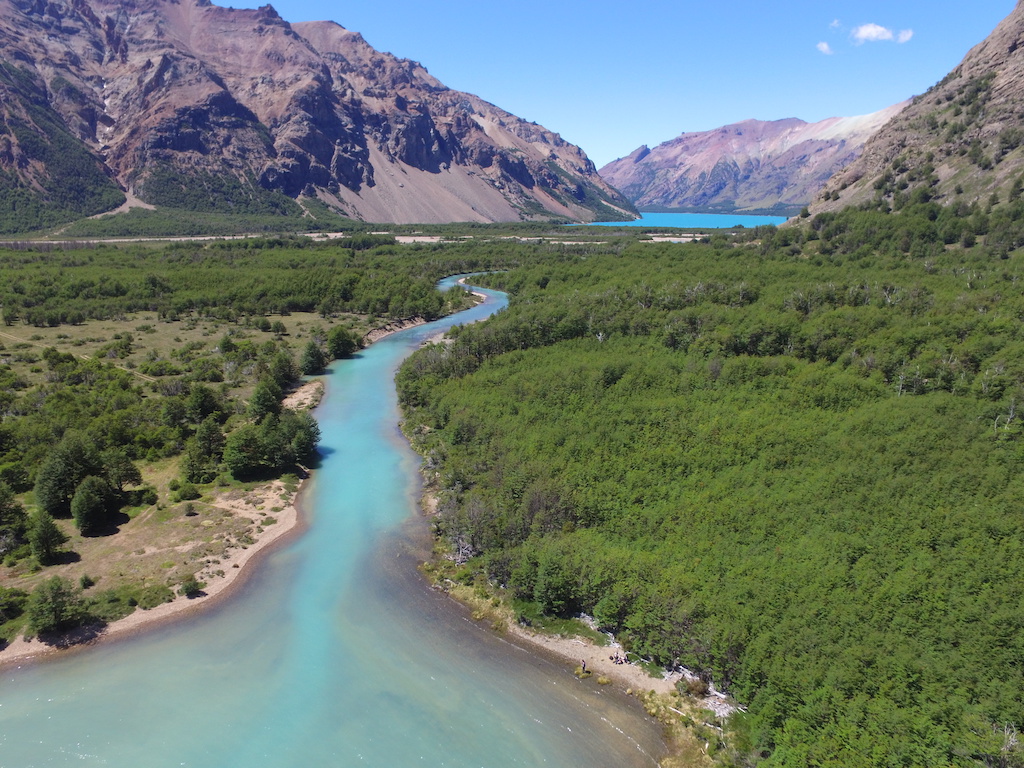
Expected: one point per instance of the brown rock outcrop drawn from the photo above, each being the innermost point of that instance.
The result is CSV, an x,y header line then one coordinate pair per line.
x,y
198,106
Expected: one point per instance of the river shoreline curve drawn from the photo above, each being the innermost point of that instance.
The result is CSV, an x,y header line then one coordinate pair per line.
x,y
235,569
571,650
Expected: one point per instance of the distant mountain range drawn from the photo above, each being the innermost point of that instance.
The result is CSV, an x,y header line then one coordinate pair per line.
x,y
961,142
749,166
185,104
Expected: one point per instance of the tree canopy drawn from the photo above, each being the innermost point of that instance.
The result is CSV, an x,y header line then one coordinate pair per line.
x,y
789,463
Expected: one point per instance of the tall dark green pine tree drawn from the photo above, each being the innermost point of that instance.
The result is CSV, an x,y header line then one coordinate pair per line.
x,y
90,505
66,466
44,537
313,359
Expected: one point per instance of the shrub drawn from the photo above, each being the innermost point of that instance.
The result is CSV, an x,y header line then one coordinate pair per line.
x,y
191,587
188,492
55,606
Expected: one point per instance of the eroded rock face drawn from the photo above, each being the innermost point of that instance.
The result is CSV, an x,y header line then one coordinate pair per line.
x,y
181,99
753,165
960,143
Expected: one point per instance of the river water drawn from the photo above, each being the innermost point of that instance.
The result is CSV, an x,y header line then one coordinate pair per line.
x,y
335,653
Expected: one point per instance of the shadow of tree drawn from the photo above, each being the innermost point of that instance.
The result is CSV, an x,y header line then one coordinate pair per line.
x,y
82,635
64,557
112,526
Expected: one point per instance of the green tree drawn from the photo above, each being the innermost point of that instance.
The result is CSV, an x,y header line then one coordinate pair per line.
x,y
12,513
191,587
203,452
266,398
200,403
210,438
243,451
340,343
313,359
12,603
90,505
56,605
12,520
283,369
62,471
306,437
44,536
196,465
119,469
172,412
275,445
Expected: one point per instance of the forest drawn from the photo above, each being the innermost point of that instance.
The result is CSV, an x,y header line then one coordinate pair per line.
x,y
789,460
139,381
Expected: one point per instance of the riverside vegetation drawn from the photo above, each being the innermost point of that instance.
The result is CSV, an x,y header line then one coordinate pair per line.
x,y
790,462
785,458
136,383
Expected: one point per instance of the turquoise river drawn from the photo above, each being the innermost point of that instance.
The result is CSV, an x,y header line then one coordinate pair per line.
x,y
334,653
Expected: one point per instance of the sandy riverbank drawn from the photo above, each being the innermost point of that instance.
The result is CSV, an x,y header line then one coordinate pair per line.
x,y
230,573
599,659
274,516
397,325
393,327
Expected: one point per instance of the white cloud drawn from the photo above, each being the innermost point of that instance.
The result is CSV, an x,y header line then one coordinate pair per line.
x,y
825,48
874,33
835,24
871,32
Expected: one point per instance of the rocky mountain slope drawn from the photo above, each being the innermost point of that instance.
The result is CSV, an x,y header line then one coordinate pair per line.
x,y
962,141
195,106
752,165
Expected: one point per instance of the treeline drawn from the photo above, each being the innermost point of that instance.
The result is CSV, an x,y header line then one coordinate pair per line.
x,y
923,230
789,465
225,280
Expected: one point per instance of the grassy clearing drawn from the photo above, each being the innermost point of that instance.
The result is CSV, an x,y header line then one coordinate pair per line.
x,y
155,340
159,544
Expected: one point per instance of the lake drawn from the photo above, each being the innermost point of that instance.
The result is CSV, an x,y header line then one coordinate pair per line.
x,y
336,653
695,220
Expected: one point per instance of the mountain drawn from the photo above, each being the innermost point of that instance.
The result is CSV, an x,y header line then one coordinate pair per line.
x,y
752,165
962,141
189,105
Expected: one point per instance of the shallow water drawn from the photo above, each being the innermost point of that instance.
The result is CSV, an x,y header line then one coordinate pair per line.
x,y
335,653
695,220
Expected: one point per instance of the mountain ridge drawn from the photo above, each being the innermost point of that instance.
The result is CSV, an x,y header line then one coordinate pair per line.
x,y
960,142
753,164
188,104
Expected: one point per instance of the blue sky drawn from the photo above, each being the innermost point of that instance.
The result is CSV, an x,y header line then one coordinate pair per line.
x,y
610,76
